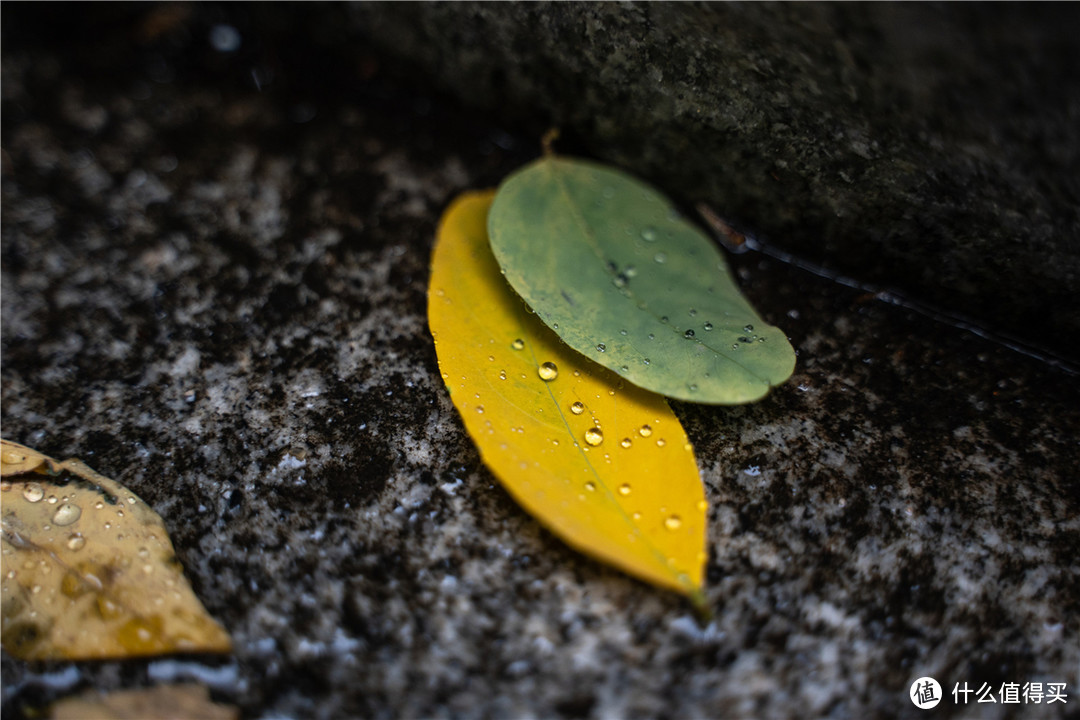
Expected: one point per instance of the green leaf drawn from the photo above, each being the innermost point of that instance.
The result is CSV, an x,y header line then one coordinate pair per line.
x,y
609,265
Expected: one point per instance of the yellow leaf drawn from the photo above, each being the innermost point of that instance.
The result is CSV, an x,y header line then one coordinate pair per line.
x,y
165,702
603,464
88,568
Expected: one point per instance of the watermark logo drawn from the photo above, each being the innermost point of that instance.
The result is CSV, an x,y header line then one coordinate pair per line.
x,y
925,693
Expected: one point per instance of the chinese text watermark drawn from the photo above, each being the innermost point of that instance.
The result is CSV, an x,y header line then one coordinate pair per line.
x,y
926,693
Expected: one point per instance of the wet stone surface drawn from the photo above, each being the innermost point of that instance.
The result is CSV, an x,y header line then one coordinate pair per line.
x,y
216,296
928,148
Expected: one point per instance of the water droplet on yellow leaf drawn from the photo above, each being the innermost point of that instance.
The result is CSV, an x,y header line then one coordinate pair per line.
x,y
594,436
548,371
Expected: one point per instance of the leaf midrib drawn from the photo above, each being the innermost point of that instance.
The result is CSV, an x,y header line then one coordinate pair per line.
x,y
658,555
586,231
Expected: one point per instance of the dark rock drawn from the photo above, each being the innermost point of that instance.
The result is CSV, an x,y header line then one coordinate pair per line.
x,y
927,148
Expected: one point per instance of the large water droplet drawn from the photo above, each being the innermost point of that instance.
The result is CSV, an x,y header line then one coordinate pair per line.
x,y
13,458
33,492
518,344
577,408
601,347
594,436
645,431
673,522
548,371
624,489
744,339
626,442
67,514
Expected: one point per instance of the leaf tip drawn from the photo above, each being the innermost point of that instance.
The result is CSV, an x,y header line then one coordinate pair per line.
x,y
701,605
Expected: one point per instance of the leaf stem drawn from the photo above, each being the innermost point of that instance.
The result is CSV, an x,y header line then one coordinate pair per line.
x,y
548,140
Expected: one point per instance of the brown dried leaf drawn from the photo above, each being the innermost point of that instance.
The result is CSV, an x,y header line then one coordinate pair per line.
x,y
166,702
88,568
17,459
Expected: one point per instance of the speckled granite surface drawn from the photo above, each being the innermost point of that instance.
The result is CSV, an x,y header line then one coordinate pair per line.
x,y
216,295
